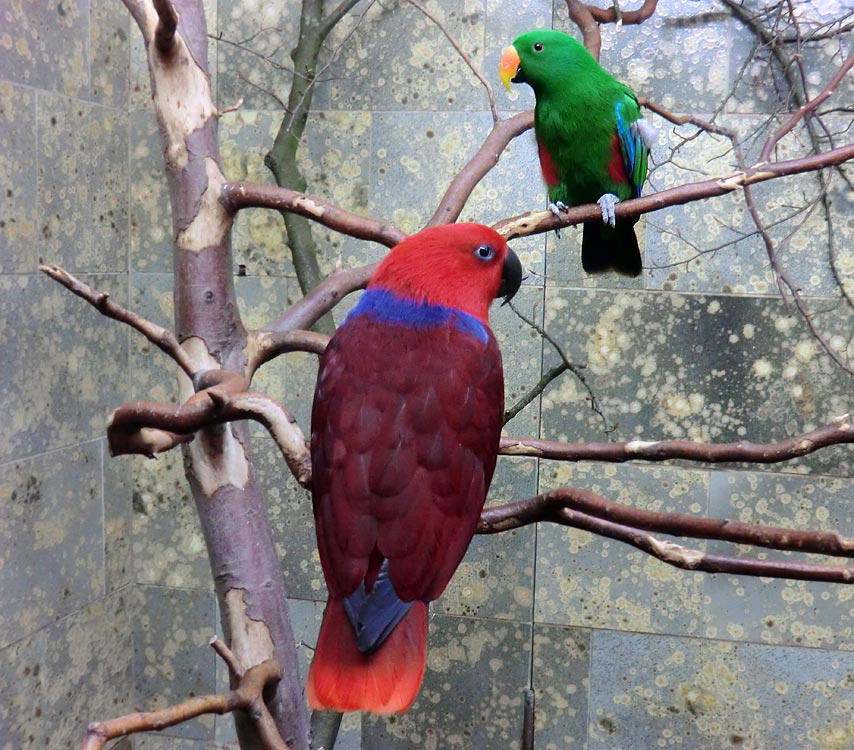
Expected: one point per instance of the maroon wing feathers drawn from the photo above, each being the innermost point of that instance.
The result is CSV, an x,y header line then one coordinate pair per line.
x,y
405,431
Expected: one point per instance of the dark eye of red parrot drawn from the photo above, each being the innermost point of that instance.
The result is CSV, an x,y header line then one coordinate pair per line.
x,y
485,252
538,46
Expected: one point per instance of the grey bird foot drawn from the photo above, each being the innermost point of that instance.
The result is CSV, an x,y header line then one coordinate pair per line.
x,y
556,208
607,203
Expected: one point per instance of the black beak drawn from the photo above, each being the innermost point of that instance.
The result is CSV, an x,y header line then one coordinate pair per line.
x,y
511,277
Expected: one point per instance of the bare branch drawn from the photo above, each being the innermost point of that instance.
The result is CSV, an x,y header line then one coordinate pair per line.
x,y
514,515
548,507
466,59
228,656
335,15
163,339
216,405
323,298
536,390
247,696
692,559
167,24
537,222
264,346
487,156
810,106
588,17
840,431
581,16
240,195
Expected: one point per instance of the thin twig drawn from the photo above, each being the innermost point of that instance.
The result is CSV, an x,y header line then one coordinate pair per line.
x,y
548,506
163,339
574,369
466,59
247,696
838,432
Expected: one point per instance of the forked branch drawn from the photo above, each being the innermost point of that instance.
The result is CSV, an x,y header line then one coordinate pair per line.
x,y
248,696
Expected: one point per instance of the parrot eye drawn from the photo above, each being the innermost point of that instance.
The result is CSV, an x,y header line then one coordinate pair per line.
x,y
485,252
538,46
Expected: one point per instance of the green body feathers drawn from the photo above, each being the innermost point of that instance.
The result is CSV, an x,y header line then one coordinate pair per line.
x,y
591,139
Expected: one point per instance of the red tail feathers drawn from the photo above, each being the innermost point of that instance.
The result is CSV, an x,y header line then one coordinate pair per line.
x,y
384,682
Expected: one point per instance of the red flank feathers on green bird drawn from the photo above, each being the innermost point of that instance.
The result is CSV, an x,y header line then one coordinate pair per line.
x,y
593,143
405,429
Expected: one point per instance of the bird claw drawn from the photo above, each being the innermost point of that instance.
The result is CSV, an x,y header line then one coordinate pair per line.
x,y
607,203
557,207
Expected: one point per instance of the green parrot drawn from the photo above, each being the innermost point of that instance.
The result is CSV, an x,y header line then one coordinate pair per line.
x,y
592,140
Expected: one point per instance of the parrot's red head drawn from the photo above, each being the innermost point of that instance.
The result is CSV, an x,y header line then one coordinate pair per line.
x,y
460,266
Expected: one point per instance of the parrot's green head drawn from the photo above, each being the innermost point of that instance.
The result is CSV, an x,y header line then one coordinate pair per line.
x,y
542,57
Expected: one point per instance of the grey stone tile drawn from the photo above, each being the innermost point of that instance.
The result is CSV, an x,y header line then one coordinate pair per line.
x,y
776,611
714,246
395,58
45,45
18,210
472,694
715,369
496,576
118,519
168,544
561,682
591,581
21,666
172,658
150,209
292,521
82,185
53,551
87,673
661,691
109,52
415,155
53,683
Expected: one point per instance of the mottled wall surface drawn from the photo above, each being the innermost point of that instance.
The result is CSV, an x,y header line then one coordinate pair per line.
x,y
622,650
66,593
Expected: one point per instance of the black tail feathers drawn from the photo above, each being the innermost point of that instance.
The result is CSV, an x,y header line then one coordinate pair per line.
x,y
604,248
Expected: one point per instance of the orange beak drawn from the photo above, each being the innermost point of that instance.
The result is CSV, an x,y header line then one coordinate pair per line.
x,y
508,66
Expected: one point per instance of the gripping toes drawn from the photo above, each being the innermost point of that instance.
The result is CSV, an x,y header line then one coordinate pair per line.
x,y
557,207
607,203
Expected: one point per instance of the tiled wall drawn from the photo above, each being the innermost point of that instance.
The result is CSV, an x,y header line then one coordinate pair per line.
x,y
622,650
66,593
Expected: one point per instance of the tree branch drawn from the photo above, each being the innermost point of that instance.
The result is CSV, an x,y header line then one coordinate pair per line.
x,y
247,696
322,298
167,24
264,346
840,431
240,195
537,222
130,426
549,506
466,59
163,339
487,156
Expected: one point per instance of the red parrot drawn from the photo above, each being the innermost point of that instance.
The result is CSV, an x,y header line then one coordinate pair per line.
x,y
405,429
